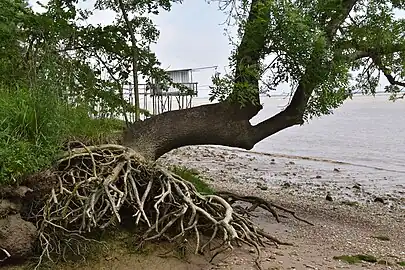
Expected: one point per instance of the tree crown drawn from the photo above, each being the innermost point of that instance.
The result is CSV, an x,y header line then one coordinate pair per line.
x,y
325,49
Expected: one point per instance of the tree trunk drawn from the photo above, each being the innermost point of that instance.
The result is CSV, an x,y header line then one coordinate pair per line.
x,y
225,123
135,58
214,124
250,52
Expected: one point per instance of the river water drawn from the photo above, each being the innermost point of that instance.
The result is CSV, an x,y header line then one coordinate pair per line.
x,y
361,144
367,131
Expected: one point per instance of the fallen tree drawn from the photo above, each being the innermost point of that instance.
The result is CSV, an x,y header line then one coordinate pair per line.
x,y
314,45
96,183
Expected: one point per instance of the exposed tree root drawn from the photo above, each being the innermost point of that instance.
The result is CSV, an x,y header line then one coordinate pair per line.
x,y
261,203
97,182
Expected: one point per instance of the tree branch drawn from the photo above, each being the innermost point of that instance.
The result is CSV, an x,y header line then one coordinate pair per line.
x,y
377,61
83,47
135,58
375,55
312,76
120,89
368,52
341,15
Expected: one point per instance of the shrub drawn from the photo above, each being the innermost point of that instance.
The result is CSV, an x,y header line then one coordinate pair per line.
x,y
192,176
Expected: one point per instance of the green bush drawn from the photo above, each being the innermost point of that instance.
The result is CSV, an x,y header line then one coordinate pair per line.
x,y
192,176
33,125
356,258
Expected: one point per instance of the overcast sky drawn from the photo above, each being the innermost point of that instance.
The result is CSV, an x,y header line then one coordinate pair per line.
x,y
191,37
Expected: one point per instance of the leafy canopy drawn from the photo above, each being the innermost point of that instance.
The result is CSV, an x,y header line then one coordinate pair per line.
x,y
86,64
58,73
332,48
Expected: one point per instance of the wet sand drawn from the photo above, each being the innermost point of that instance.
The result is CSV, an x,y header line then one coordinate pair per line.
x,y
294,175
366,203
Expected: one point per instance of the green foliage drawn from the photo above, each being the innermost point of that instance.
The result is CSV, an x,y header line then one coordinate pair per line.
x,y
12,14
356,258
328,48
61,78
34,124
86,64
348,259
193,177
221,88
29,131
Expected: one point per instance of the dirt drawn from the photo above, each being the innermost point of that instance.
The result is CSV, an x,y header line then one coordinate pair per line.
x,y
338,230
352,223
16,237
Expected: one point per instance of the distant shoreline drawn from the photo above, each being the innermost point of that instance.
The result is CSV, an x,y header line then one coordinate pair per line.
x,y
286,95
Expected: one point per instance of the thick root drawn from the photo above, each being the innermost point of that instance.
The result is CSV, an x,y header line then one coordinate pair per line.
x,y
257,202
97,182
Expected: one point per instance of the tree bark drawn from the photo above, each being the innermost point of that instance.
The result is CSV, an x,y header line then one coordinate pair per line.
x,y
251,51
213,124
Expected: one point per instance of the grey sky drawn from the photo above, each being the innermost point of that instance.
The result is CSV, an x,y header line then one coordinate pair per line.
x,y
192,37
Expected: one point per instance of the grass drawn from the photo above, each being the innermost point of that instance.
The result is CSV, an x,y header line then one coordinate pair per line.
x,y
367,258
401,263
350,203
194,177
34,123
356,258
382,237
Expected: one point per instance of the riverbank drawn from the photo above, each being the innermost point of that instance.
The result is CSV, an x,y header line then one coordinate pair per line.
x,y
294,175
353,222
339,230
355,209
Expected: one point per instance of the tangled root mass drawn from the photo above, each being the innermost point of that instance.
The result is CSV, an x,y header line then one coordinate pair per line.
x,y
96,182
